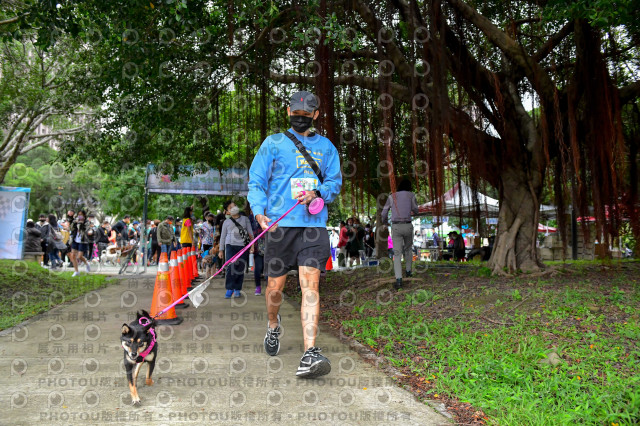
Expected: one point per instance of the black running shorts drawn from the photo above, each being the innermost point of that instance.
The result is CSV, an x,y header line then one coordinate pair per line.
x,y
288,248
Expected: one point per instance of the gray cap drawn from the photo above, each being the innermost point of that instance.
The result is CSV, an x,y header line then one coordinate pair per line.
x,y
305,101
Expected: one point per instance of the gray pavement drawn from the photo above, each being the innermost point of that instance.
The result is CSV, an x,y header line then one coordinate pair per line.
x,y
66,367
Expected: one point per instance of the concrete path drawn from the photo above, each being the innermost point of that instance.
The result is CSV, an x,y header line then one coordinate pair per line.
x,y
66,367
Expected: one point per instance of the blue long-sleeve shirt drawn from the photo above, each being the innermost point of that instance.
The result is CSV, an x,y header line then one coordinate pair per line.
x,y
279,172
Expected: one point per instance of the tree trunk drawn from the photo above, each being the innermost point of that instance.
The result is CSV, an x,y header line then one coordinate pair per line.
x,y
515,245
382,232
381,235
4,169
324,85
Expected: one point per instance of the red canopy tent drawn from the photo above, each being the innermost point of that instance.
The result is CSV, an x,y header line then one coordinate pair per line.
x,y
546,229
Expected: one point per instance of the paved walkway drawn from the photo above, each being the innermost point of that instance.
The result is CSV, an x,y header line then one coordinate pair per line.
x,y
66,367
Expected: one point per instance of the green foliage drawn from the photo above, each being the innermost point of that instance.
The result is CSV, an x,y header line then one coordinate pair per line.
x,y
499,370
516,295
39,102
56,190
600,13
53,190
164,83
335,214
123,193
488,341
27,289
483,271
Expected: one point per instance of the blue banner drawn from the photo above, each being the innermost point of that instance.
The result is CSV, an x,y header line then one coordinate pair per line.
x,y
14,208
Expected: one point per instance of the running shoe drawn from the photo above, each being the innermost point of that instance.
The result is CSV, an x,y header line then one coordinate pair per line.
x,y
258,291
75,274
87,267
313,364
228,294
237,294
271,340
398,284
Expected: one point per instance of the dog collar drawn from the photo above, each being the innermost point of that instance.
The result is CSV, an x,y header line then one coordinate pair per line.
x,y
142,356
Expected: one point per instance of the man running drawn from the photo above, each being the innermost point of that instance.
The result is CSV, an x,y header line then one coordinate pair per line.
x,y
279,176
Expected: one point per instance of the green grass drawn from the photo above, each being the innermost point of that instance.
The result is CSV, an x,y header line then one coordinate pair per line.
x,y
592,323
499,372
27,289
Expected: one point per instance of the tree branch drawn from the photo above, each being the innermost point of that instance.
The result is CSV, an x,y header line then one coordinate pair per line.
x,y
37,121
35,145
66,132
16,144
629,92
461,126
33,122
12,20
8,136
72,113
468,69
553,41
396,90
264,32
395,53
515,52
362,53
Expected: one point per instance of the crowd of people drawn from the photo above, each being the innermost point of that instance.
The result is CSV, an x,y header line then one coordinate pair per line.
x,y
75,238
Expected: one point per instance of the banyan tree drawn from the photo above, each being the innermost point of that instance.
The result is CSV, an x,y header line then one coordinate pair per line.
x,y
463,73
529,97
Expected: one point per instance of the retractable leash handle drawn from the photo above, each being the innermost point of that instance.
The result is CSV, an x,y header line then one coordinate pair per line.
x,y
235,257
315,206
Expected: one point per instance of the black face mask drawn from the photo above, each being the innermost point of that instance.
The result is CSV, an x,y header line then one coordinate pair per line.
x,y
300,123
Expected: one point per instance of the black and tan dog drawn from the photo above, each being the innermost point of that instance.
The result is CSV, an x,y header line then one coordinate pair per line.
x,y
139,343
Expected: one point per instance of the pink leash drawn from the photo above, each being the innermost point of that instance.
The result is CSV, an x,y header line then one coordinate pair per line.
x,y
233,259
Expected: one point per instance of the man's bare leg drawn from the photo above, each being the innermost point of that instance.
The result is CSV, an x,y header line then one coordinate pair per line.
x,y
310,310
273,295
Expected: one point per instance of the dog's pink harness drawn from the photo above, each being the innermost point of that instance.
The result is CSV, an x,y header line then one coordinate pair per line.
x,y
153,339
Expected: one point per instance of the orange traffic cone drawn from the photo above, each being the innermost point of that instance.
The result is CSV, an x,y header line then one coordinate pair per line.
x,y
329,264
194,262
187,275
187,267
176,285
162,296
193,265
183,274
196,274
191,270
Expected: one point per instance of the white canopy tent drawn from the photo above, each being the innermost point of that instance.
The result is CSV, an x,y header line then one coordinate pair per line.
x,y
459,201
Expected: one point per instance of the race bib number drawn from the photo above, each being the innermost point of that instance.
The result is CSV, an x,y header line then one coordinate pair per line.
x,y
302,184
